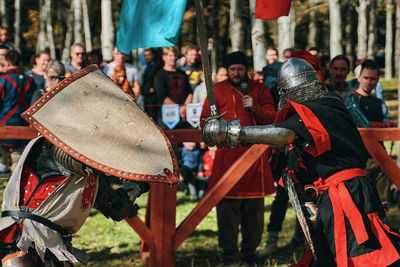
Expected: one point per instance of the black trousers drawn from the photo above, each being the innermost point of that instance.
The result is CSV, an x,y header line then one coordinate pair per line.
x,y
249,214
278,210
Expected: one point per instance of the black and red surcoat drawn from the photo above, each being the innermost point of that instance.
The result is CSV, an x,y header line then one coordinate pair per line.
x,y
331,155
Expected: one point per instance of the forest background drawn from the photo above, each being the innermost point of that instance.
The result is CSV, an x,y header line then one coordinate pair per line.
x,y
360,29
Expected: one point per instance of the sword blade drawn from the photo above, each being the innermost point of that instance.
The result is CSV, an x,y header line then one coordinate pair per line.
x,y
294,200
205,59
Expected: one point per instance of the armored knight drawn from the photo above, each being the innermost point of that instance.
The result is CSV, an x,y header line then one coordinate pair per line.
x,y
325,159
91,130
44,176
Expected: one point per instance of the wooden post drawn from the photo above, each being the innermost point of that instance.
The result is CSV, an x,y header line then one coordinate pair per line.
x,y
162,224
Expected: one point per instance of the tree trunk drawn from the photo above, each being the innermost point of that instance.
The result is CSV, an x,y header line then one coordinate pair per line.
x,y
372,30
225,43
257,39
49,27
398,72
61,20
389,40
335,28
41,42
215,29
107,30
285,40
77,21
312,26
348,33
68,35
3,13
397,38
236,25
292,18
362,29
86,25
17,25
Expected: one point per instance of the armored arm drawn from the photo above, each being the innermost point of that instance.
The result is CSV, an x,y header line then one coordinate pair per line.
x,y
219,131
115,204
118,204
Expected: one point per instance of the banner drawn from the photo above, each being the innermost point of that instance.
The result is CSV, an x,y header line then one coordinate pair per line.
x,y
170,115
149,23
193,112
272,9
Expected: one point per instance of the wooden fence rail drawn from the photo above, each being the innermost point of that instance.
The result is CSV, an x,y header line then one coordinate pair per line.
x,y
159,234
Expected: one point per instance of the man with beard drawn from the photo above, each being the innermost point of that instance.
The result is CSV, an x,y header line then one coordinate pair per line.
x,y
339,69
325,160
243,206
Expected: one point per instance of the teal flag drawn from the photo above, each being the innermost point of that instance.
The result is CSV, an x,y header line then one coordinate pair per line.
x,y
149,23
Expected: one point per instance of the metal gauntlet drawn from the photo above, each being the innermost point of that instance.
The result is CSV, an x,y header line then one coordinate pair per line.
x,y
115,204
219,131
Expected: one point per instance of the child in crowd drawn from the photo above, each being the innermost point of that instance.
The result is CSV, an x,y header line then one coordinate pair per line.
x,y
204,175
119,77
191,164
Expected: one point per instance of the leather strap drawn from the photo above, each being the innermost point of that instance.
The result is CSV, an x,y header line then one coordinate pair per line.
x,y
66,235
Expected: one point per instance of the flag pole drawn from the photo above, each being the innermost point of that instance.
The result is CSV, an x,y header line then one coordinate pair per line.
x,y
205,60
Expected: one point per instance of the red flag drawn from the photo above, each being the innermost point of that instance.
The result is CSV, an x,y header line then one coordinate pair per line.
x,y
272,9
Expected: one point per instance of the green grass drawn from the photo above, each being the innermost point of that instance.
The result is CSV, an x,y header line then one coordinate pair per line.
x,y
115,244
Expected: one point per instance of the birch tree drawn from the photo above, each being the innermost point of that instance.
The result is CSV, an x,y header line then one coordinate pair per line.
x,y
335,19
68,35
41,42
77,21
17,25
49,29
257,39
349,31
371,29
397,38
285,38
292,24
214,29
107,30
236,25
312,27
397,60
389,40
362,30
3,13
86,26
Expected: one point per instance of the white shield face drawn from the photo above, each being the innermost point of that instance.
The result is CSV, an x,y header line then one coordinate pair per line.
x,y
90,118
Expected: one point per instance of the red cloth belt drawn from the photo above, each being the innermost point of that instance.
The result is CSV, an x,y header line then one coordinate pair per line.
x,y
343,204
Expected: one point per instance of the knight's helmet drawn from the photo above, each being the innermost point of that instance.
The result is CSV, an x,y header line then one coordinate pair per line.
x,y
299,82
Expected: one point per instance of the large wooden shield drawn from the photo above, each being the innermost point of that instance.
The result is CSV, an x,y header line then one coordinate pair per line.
x,y
91,119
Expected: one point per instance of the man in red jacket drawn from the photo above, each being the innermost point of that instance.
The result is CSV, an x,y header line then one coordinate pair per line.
x,y
252,103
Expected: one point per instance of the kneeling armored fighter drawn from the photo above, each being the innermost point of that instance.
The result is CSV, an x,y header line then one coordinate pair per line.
x,y
90,131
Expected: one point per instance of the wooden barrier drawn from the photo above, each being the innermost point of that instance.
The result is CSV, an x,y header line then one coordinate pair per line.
x,y
160,237
372,137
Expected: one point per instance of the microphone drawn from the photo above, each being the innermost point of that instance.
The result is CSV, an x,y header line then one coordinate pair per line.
x,y
244,90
